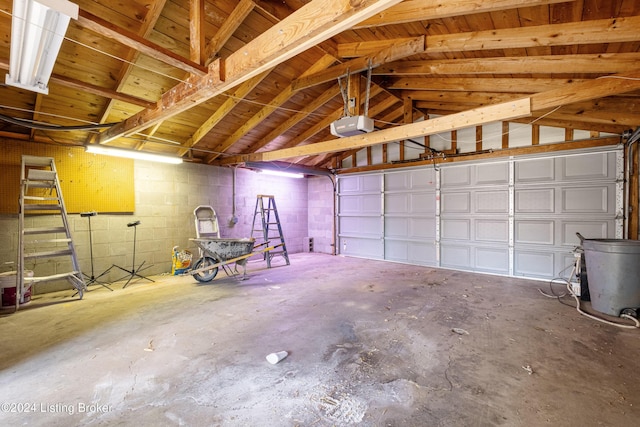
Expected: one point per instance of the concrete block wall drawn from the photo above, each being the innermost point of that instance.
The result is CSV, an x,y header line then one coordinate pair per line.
x,y
321,213
165,197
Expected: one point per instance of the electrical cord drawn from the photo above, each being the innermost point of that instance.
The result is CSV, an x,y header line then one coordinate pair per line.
x,y
574,269
590,316
32,125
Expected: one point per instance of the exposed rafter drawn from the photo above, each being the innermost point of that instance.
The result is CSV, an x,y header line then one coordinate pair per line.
x,y
311,24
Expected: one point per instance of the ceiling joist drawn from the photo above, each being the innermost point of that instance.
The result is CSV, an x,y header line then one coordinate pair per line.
x,y
309,25
573,33
422,10
505,111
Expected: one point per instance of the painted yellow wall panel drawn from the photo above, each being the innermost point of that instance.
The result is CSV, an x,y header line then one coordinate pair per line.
x,y
89,182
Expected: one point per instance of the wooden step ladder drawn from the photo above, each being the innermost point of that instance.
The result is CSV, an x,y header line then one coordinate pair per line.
x,y
40,196
269,228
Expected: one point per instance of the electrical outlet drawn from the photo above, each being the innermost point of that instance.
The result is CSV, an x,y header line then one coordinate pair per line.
x,y
575,288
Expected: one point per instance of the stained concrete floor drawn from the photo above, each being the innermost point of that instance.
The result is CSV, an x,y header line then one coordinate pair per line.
x,y
370,344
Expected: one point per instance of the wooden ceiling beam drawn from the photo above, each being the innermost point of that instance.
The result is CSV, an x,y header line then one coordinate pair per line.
x,y
390,117
153,14
378,108
624,117
134,41
621,106
568,34
587,90
96,90
472,99
196,31
90,88
605,63
315,22
391,53
539,118
614,30
225,109
324,124
306,27
229,26
467,84
266,110
570,93
325,97
469,118
423,10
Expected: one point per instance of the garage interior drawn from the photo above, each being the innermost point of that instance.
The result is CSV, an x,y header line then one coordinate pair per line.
x,y
457,171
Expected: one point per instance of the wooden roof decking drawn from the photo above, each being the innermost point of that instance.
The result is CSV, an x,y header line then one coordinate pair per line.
x,y
222,82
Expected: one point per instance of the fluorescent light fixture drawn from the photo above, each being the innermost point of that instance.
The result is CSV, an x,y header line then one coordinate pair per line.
x,y
131,154
282,173
37,30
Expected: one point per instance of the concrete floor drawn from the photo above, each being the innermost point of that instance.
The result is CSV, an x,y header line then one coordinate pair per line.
x,y
370,344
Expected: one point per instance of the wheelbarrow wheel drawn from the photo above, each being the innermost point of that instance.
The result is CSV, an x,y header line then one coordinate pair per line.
x,y
207,275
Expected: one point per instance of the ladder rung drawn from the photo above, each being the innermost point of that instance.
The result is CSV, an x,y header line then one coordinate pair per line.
x,y
52,277
44,230
37,160
31,242
41,198
41,175
48,254
39,184
41,207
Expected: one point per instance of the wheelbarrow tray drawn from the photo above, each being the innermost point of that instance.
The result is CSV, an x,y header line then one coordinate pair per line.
x,y
224,249
206,268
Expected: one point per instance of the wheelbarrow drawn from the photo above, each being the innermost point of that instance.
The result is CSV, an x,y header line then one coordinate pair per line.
x,y
220,252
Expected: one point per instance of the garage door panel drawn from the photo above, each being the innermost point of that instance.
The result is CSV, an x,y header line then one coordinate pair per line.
x,y
369,204
458,203
539,232
423,203
592,166
538,200
456,229
533,263
396,227
492,173
410,228
486,215
492,260
588,229
423,179
492,202
397,181
362,247
492,230
455,256
422,253
422,228
457,176
538,170
397,203
396,250
360,183
365,226
595,199
410,180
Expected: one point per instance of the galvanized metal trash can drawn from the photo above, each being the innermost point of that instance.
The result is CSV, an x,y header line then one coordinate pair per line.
x,y
613,267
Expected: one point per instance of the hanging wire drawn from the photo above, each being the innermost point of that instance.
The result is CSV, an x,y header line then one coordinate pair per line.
x,y
366,99
55,128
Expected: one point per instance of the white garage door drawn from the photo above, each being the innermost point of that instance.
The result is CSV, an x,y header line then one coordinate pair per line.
x,y
516,217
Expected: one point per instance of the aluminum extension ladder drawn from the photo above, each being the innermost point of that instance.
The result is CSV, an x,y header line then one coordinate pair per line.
x,y
41,203
270,228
